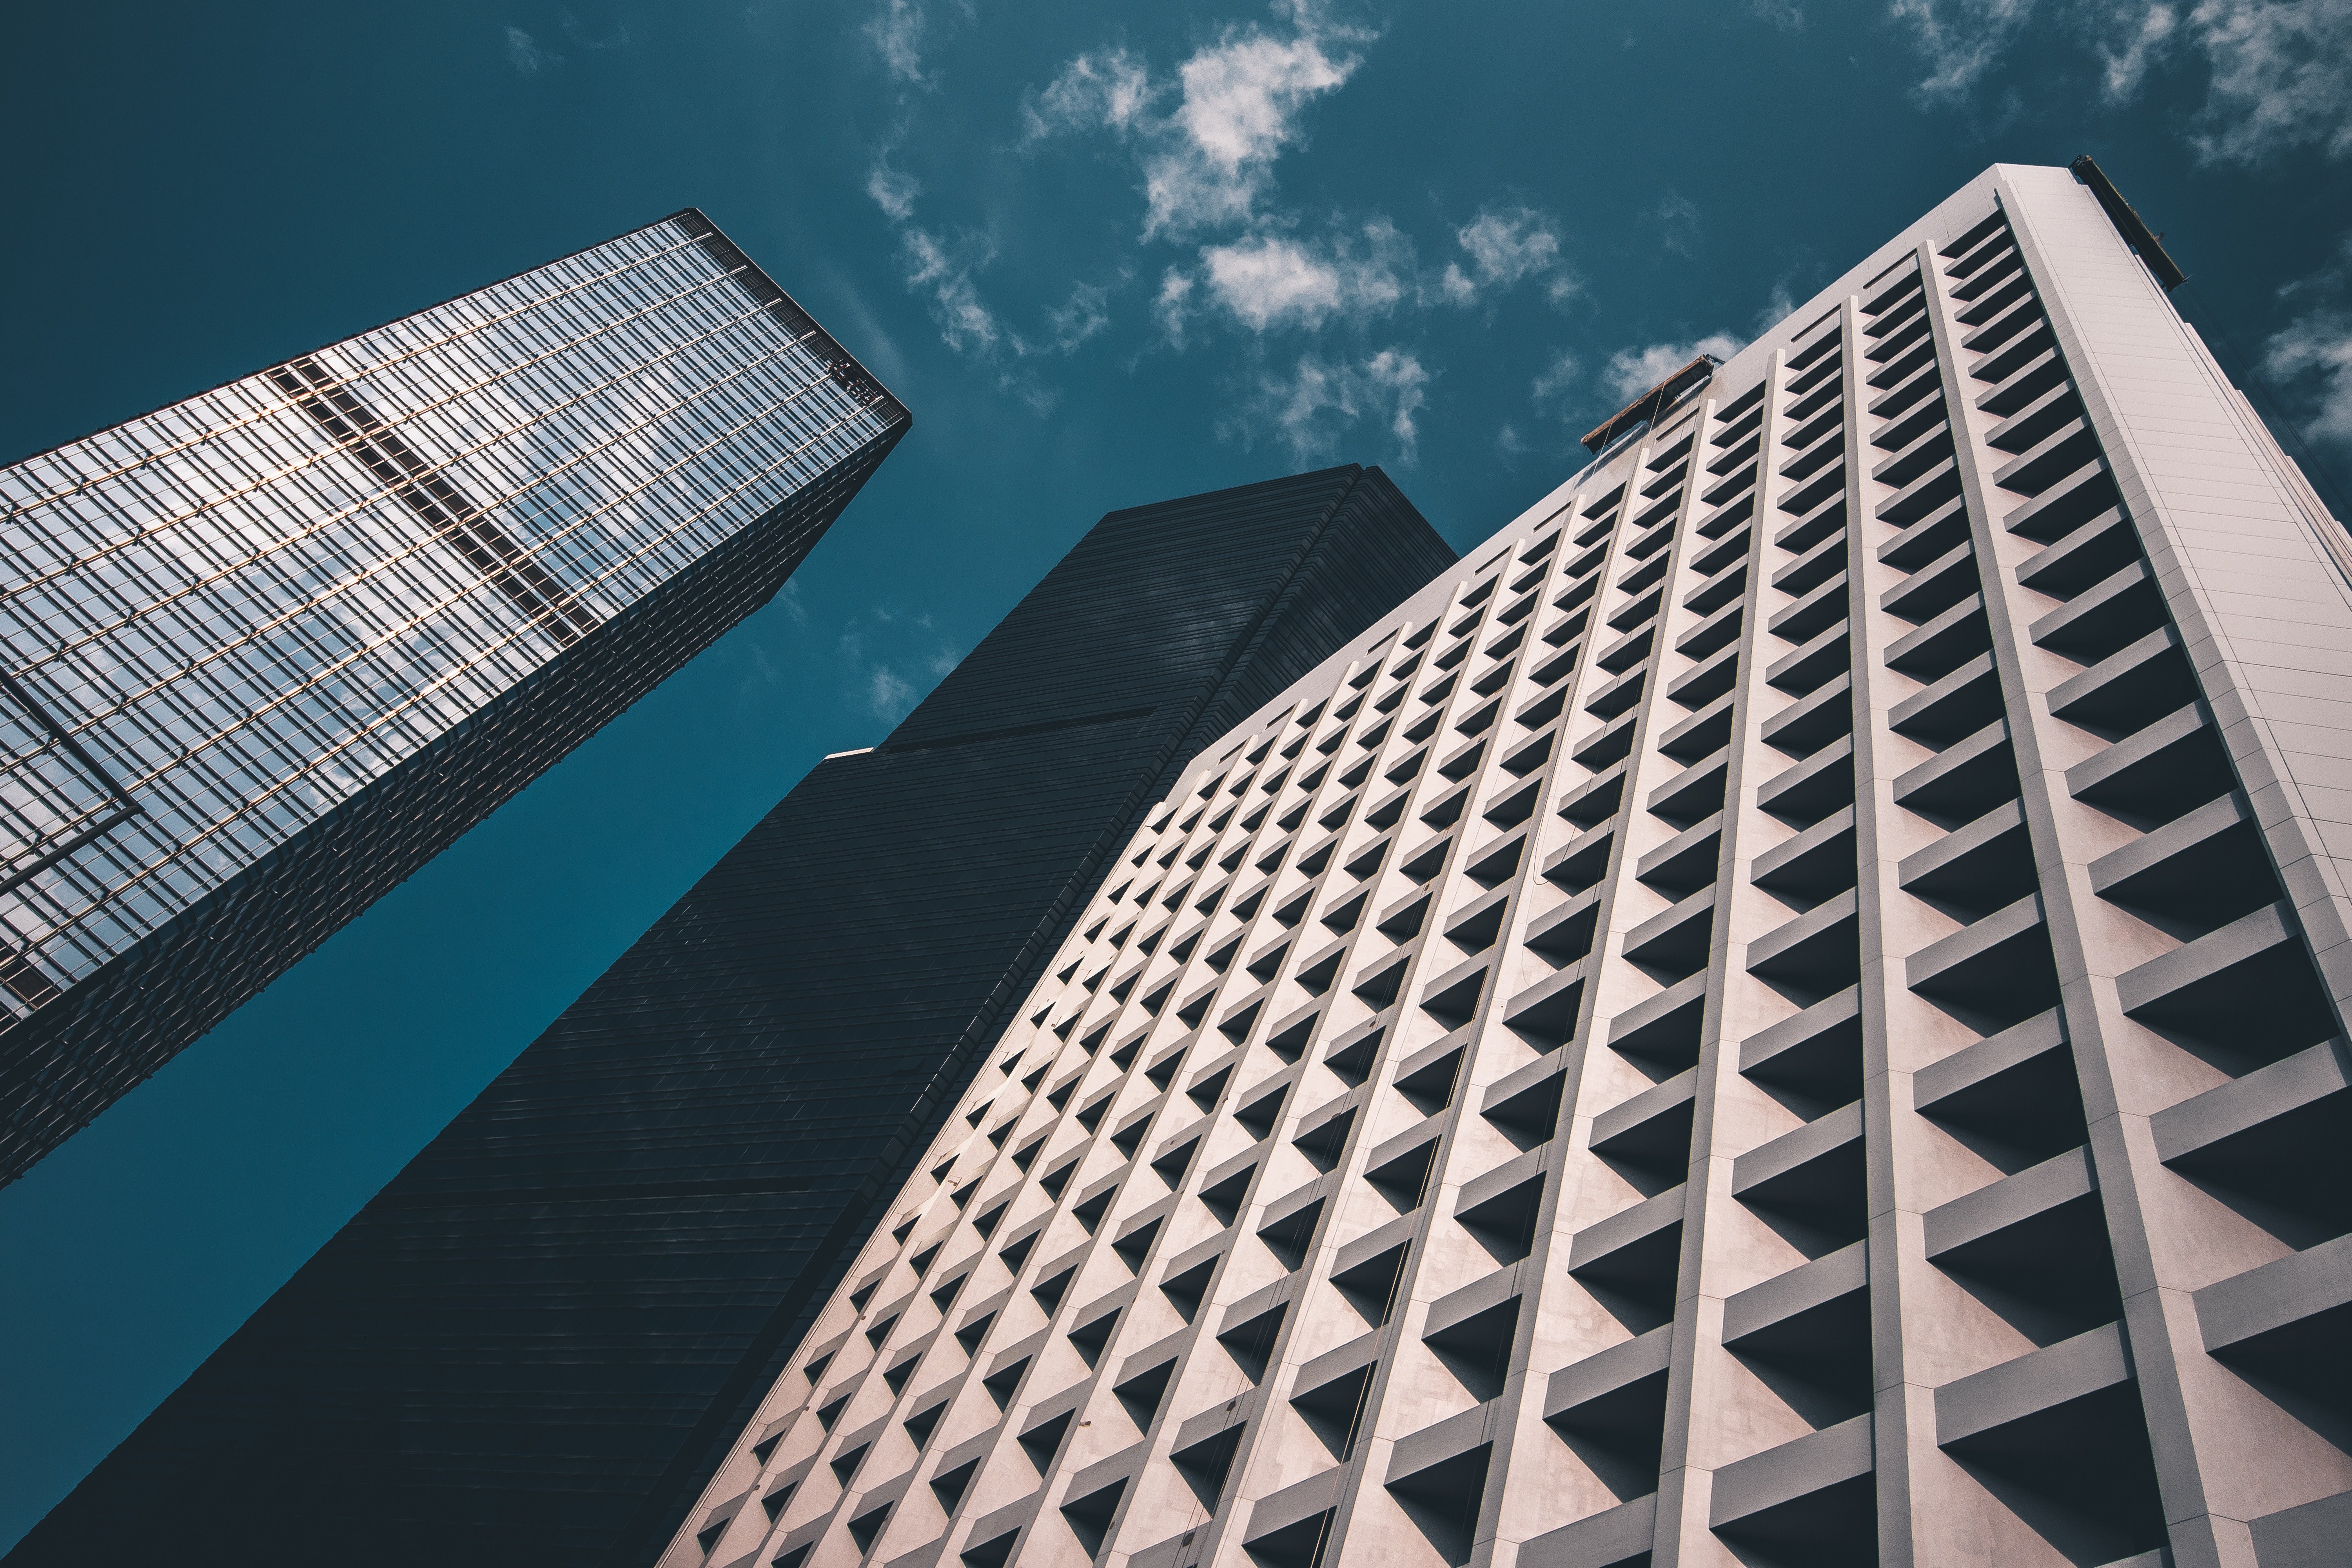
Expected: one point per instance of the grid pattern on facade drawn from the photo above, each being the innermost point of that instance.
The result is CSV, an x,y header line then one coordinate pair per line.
x,y
270,650
250,604
536,1343
1759,1024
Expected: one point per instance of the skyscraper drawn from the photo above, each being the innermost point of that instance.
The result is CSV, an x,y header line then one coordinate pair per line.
x,y
532,1346
1785,1011
270,650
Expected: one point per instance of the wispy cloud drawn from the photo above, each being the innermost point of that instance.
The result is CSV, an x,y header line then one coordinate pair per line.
x,y
1207,141
1784,14
1504,246
2279,71
524,53
2311,357
1557,378
2281,77
1960,38
1267,281
893,190
943,269
1677,218
884,684
1320,400
895,31
1633,371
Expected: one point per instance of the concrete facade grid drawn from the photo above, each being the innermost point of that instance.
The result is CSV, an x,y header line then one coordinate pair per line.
x,y
1787,1011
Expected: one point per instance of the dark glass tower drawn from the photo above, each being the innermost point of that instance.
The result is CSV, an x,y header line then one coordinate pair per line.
x,y
536,1342
265,652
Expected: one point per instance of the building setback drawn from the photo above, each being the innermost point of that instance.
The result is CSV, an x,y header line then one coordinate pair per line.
x,y
536,1342
1785,1011
265,652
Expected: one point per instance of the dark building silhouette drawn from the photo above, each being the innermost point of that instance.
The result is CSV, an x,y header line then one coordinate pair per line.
x,y
266,651
537,1341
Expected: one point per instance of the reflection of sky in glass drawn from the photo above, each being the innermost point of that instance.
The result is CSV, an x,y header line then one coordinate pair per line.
x,y
243,626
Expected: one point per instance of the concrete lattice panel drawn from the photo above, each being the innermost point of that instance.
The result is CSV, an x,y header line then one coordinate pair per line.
x,y
1784,1012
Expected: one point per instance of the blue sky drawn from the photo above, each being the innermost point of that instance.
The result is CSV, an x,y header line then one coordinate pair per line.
x,y
1108,254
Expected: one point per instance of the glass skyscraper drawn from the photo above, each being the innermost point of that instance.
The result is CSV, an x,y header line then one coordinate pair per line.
x,y
536,1342
267,650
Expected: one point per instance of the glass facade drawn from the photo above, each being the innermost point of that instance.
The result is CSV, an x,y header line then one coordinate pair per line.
x,y
535,1343
224,622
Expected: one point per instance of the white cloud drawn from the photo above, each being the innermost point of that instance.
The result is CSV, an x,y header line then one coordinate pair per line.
x,y
2318,349
966,323
1175,295
2145,36
887,693
524,53
1960,38
2280,70
1087,315
1558,377
1633,371
1266,282
1677,218
1320,400
1112,90
1504,247
1782,13
2281,77
1236,106
895,31
893,190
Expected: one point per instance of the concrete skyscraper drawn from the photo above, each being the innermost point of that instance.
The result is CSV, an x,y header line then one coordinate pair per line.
x,y
1787,1010
268,650
536,1342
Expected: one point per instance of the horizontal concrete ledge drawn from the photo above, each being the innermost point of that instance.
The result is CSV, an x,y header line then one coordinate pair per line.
x,y
1005,1520
1829,759
2070,694
2089,601
1980,667
1776,942
1511,1173
1489,1290
1972,941
2311,1074
1398,1232
2060,1179
1955,758
1818,1460
1809,1285
1300,1500
2283,1291
2036,1381
2006,818
1361,1351
1233,1412
2171,730
2214,818
1768,864
1971,1065
1434,1445
1651,1011
1625,1226
2247,937
1599,1540
1106,1471
1581,1383
2311,1536
1659,1098
1798,1028
1519,1081
1798,1146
